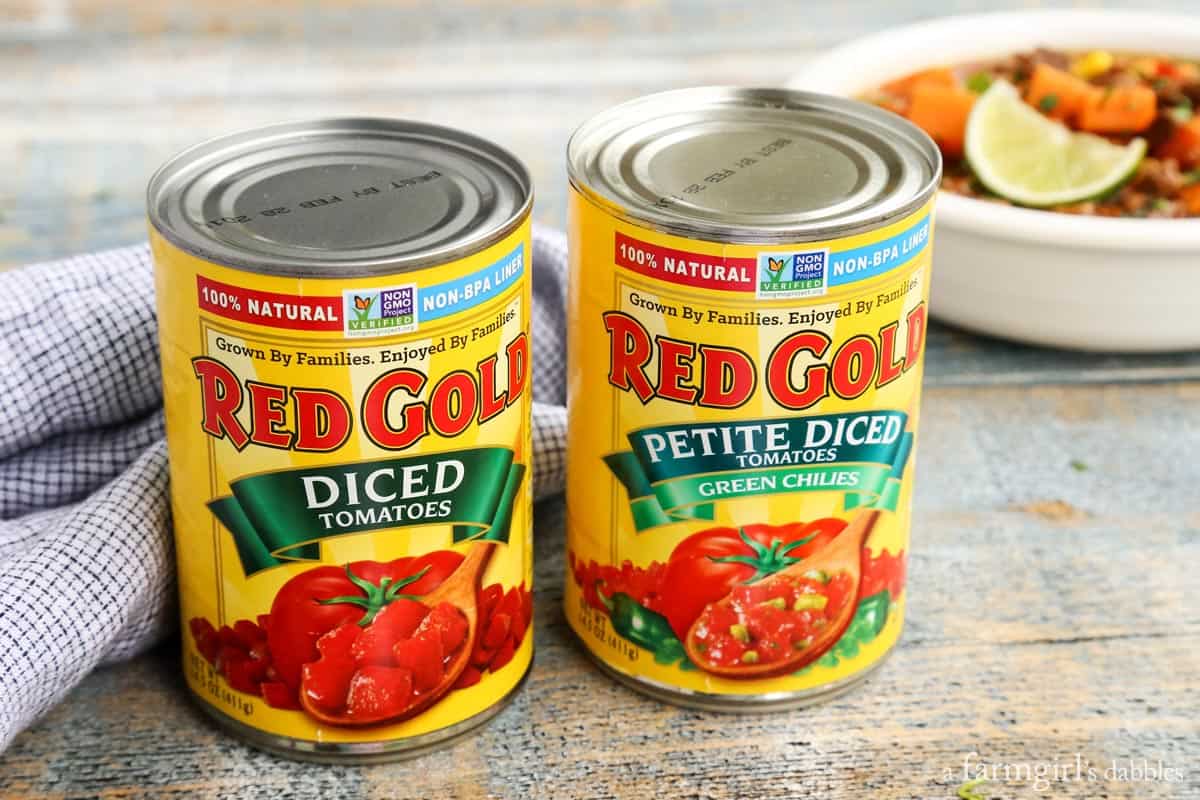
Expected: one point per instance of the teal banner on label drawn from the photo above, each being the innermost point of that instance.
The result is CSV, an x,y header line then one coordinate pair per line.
x,y
673,473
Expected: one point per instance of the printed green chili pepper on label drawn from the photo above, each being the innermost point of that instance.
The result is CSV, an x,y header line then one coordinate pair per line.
x,y
633,621
647,629
868,622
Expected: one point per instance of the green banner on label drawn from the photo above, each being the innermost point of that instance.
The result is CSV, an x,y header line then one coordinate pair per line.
x,y
674,473
888,496
281,517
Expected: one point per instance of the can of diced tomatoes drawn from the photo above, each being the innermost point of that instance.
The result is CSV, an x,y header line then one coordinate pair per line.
x,y
749,280
344,313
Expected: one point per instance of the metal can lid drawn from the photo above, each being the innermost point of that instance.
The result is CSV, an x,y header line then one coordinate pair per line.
x,y
339,197
753,165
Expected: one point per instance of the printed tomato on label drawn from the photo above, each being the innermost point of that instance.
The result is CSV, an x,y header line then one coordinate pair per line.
x,y
883,571
706,566
319,600
239,654
642,584
376,663
357,680
504,619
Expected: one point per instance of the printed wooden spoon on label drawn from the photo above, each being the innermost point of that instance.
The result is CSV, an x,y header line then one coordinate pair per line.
x,y
795,601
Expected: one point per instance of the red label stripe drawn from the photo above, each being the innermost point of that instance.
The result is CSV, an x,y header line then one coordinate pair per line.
x,y
685,268
272,309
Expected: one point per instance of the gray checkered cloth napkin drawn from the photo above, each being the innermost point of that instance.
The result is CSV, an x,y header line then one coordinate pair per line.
x,y
86,557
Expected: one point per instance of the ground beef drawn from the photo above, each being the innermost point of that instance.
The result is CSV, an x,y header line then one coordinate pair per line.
x,y
1170,93
959,181
1158,176
1132,201
1160,130
1191,90
1053,58
1119,75
1023,63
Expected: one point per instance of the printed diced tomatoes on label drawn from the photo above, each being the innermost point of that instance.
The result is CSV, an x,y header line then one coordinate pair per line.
x,y
380,692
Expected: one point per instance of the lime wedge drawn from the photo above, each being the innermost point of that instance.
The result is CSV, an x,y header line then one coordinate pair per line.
x,y
1035,161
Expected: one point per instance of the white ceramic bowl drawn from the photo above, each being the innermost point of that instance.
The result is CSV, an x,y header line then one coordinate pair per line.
x,y
1090,283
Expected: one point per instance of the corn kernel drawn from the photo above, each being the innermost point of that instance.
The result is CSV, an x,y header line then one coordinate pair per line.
x,y
1094,63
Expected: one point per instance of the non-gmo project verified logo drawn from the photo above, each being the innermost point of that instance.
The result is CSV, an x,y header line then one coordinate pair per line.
x,y
783,276
379,312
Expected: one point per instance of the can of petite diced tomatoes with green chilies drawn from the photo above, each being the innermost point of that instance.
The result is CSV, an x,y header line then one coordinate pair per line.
x,y
344,313
749,286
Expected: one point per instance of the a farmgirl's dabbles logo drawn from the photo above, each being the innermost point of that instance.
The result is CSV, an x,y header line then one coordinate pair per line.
x,y
786,276
380,312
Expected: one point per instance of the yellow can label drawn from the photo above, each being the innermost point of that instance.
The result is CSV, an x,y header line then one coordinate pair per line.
x,y
350,490
742,421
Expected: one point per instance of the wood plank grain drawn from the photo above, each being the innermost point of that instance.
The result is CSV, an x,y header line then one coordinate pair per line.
x,y
98,94
1053,612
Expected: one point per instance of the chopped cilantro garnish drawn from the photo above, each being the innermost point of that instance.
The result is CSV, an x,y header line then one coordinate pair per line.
x,y
1182,112
1048,103
1078,466
979,83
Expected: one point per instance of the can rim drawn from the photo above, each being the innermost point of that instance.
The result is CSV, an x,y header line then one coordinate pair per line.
x,y
500,157
377,751
706,230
